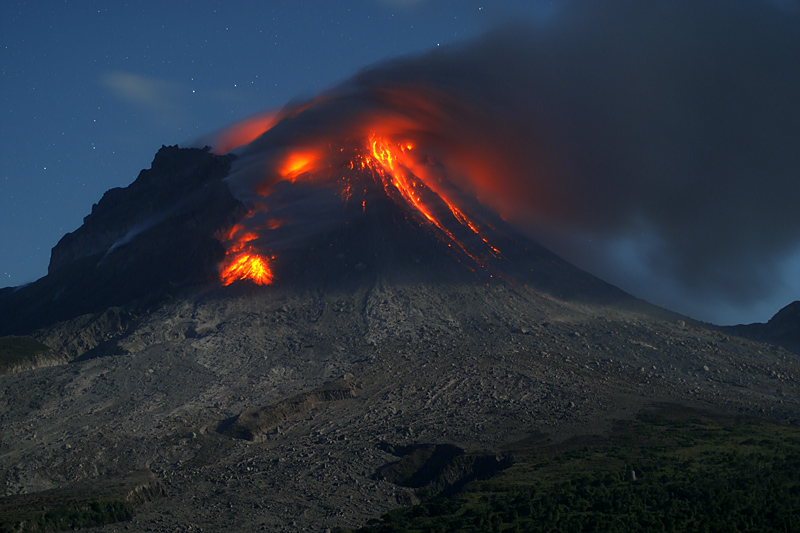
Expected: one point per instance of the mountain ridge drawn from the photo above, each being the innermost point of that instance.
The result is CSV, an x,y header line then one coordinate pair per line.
x,y
783,329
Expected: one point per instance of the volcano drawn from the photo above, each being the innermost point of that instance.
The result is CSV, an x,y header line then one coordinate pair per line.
x,y
160,374
325,313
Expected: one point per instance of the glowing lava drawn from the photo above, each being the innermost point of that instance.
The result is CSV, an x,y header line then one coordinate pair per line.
x,y
245,265
396,162
244,132
241,261
297,163
406,182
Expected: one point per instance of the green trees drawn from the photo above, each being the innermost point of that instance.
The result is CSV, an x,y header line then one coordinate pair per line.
x,y
692,474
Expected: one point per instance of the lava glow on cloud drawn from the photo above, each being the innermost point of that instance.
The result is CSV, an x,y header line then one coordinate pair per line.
x,y
669,126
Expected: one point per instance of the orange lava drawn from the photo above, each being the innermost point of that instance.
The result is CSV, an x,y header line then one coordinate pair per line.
x,y
398,164
241,261
297,163
244,265
383,153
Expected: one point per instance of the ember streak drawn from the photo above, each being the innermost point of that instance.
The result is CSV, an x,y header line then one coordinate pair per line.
x,y
395,164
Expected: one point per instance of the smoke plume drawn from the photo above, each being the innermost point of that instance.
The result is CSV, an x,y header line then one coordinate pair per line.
x,y
656,144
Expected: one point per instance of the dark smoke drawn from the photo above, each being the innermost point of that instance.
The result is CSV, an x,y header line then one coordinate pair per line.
x,y
645,141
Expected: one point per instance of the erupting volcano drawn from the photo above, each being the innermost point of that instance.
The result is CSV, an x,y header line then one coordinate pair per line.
x,y
351,284
354,171
373,180
404,173
349,151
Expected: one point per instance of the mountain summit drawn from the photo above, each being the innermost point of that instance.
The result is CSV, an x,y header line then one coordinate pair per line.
x,y
138,243
316,223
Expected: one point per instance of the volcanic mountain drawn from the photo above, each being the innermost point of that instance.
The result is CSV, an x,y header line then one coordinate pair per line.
x,y
325,310
273,399
307,197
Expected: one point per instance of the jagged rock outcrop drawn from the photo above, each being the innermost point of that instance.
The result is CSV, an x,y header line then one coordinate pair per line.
x,y
138,243
169,188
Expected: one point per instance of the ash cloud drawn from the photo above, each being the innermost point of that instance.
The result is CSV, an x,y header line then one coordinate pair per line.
x,y
648,142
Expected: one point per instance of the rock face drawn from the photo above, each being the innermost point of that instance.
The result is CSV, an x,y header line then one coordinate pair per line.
x,y
137,244
177,181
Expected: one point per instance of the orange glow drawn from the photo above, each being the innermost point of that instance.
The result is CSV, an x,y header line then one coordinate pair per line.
x,y
298,163
250,129
244,132
241,260
383,154
246,266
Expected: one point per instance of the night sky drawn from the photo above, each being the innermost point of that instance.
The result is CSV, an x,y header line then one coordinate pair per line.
x,y
91,90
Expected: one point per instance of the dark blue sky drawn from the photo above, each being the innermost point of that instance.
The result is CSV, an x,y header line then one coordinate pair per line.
x,y
90,90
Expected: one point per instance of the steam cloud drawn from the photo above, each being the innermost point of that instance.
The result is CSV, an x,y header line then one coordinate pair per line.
x,y
641,140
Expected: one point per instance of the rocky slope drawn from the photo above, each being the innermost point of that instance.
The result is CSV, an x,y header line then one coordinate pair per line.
x,y
478,367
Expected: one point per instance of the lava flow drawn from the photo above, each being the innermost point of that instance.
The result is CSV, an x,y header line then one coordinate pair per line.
x,y
242,261
396,163
247,266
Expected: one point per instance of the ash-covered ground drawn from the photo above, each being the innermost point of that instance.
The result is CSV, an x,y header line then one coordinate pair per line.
x,y
478,366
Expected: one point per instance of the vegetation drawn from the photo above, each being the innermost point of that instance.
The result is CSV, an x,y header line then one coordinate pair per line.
x,y
14,350
669,471
64,517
